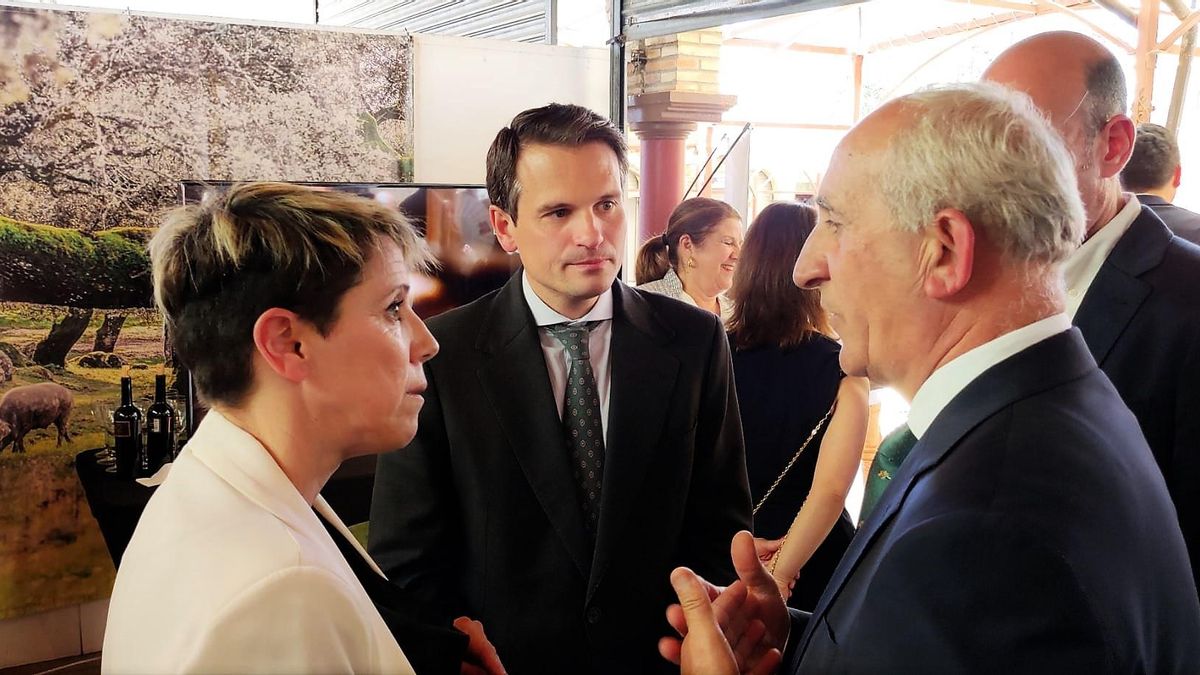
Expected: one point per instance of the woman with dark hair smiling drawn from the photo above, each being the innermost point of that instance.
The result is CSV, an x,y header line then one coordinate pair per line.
x,y
803,420
694,259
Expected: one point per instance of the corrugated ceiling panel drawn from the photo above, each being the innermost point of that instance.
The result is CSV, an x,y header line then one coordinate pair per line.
x,y
518,20
648,18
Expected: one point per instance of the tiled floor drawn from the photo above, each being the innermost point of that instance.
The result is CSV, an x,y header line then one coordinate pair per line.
x,y
88,664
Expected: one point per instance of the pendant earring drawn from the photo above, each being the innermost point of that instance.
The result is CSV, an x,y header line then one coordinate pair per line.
x,y
691,262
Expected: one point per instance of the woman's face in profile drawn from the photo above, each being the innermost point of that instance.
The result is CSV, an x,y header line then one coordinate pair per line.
x,y
367,375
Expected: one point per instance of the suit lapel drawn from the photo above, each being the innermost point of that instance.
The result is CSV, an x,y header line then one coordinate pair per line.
x,y
1116,293
1043,366
517,384
643,377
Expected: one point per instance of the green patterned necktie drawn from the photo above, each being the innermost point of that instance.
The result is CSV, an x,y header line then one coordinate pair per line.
x,y
581,418
888,458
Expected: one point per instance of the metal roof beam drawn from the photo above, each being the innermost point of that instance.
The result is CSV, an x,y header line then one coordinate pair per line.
x,y
1188,23
1129,49
1121,11
795,46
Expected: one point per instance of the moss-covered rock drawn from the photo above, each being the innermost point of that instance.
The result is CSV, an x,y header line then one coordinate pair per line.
x,y
36,372
99,360
49,265
18,359
6,368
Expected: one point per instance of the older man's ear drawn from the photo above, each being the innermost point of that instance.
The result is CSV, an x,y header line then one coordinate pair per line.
x,y
1117,138
947,256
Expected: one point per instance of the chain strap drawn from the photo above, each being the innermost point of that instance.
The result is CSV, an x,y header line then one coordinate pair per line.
x,y
795,457
775,558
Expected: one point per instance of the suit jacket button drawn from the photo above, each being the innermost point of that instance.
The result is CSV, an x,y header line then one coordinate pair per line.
x,y
593,615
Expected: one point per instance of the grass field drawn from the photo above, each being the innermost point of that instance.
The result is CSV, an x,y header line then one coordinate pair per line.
x,y
51,551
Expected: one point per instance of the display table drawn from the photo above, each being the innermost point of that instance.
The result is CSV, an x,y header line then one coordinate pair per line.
x,y
117,503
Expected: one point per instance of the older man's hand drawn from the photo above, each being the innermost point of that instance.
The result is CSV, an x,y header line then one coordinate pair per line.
x,y
481,657
739,629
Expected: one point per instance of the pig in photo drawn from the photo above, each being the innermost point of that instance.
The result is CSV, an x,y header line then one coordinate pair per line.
x,y
34,406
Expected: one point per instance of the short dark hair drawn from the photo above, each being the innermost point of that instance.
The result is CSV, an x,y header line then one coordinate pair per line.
x,y
220,264
1106,92
695,217
768,308
1153,161
554,124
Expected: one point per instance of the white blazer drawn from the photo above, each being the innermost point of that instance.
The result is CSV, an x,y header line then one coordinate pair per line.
x,y
230,571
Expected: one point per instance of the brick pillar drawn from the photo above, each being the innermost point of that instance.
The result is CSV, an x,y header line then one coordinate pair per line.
x,y
673,85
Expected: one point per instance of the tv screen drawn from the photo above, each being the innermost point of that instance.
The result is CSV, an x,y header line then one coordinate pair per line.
x,y
452,218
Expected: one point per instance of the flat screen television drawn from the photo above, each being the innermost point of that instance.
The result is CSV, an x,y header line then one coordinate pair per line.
x,y
454,221
452,218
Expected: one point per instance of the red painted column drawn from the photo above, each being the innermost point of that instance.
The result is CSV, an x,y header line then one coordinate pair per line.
x,y
663,120
662,177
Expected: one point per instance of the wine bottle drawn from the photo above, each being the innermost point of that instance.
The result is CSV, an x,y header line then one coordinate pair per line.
x,y
160,426
127,430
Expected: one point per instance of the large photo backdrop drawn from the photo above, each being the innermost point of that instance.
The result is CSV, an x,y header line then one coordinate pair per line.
x,y
101,115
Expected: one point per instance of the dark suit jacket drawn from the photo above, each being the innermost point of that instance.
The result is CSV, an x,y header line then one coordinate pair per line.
x,y
784,393
479,514
1028,531
1183,223
431,645
1141,320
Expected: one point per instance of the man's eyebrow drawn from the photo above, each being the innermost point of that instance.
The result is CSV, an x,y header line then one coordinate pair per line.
x,y
552,206
824,204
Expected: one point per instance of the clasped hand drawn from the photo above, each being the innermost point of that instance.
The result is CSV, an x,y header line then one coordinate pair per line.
x,y
726,631
481,657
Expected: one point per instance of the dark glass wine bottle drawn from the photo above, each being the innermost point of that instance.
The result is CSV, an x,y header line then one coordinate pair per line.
x,y
127,431
160,426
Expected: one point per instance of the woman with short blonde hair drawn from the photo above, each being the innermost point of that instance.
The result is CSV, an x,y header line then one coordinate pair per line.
x,y
292,309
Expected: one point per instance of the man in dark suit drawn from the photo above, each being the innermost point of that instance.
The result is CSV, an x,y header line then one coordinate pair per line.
x,y
1131,286
1028,529
557,521
1153,172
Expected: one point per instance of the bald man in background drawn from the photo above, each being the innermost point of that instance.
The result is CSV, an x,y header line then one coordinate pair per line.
x,y
1133,289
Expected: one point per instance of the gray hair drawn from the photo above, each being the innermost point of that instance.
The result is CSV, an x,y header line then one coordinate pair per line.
x,y
987,151
1106,93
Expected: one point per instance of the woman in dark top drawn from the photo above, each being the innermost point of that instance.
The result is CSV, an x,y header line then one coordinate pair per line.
x,y
787,376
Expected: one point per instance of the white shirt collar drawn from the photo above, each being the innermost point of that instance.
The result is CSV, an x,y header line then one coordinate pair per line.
x,y
543,315
1081,267
948,381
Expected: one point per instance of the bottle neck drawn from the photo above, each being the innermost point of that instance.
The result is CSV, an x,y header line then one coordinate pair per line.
x,y
160,388
126,391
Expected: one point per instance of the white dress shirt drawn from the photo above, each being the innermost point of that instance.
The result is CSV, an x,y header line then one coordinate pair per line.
x,y
1081,267
948,381
557,360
